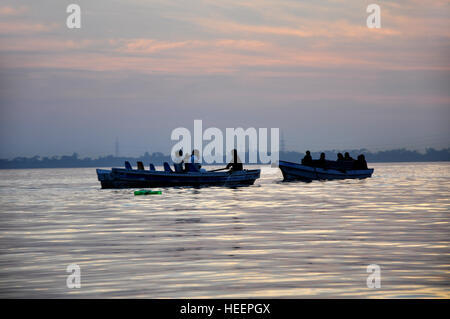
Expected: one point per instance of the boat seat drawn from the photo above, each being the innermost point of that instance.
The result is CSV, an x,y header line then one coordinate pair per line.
x,y
128,165
140,166
167,168
152,167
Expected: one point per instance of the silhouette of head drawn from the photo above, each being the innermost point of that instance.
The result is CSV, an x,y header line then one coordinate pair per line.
x,y
347,155
308,153
322,156
340,156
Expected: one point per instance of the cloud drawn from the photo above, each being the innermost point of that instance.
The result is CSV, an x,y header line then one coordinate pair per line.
x,y
220,56
315,59
149,46
336,29
23,28
224,45
8,11
48,45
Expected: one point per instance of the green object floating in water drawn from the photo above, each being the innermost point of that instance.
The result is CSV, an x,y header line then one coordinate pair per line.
x,y
146,192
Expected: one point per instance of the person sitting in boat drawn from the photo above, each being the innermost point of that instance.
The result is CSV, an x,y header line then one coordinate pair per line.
x,y
360,163
235,164
322,162
195,161
347,157
194,157
307,160
179,162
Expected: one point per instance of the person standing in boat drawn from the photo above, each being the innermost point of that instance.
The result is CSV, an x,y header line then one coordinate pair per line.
x,y
307,160
235,164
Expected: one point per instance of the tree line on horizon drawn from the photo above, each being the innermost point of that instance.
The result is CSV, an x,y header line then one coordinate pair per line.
x,y
158,158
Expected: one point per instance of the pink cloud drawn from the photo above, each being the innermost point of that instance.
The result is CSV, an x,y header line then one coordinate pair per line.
x,y
20,28
284,47
148,46
11,11
152,46
203,57
51,45
310,29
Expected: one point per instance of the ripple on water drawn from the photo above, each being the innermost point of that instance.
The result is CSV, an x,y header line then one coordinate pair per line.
x,y
272,239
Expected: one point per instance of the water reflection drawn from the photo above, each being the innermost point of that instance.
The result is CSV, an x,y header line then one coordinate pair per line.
x,y
269,240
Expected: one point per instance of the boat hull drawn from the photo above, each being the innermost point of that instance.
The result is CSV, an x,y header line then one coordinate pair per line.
x,y
294,171
123,178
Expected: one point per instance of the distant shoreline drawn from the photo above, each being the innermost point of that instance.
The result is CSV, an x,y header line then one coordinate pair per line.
x,y
206,165
73,161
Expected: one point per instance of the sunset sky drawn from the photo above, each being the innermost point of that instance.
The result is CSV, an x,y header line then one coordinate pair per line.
x,y
137,69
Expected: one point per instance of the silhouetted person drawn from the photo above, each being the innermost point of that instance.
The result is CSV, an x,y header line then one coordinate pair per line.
x,y
179,165
195,159
347,157
361,163
340,163
307,160
321,162
235,164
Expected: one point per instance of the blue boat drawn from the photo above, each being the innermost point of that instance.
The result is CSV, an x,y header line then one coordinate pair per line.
x,y
140,178
294,171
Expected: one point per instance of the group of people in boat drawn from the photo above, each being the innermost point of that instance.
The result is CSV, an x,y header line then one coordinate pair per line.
x,y
191,163
343,161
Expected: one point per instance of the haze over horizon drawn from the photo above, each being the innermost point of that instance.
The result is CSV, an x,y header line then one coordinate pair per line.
x,y
139,69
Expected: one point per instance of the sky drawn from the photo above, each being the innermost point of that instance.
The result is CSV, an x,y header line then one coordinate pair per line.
x,y
137,69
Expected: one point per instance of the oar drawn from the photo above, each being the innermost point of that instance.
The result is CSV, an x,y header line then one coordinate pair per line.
x,y
219,169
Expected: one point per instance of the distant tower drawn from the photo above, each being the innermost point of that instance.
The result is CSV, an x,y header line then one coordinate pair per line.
x,y
282,143
117,147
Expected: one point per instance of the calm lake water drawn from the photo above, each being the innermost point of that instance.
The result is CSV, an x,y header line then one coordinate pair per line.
x,y
273,239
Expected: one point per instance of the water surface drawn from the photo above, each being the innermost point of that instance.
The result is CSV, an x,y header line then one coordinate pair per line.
x,y
273,239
